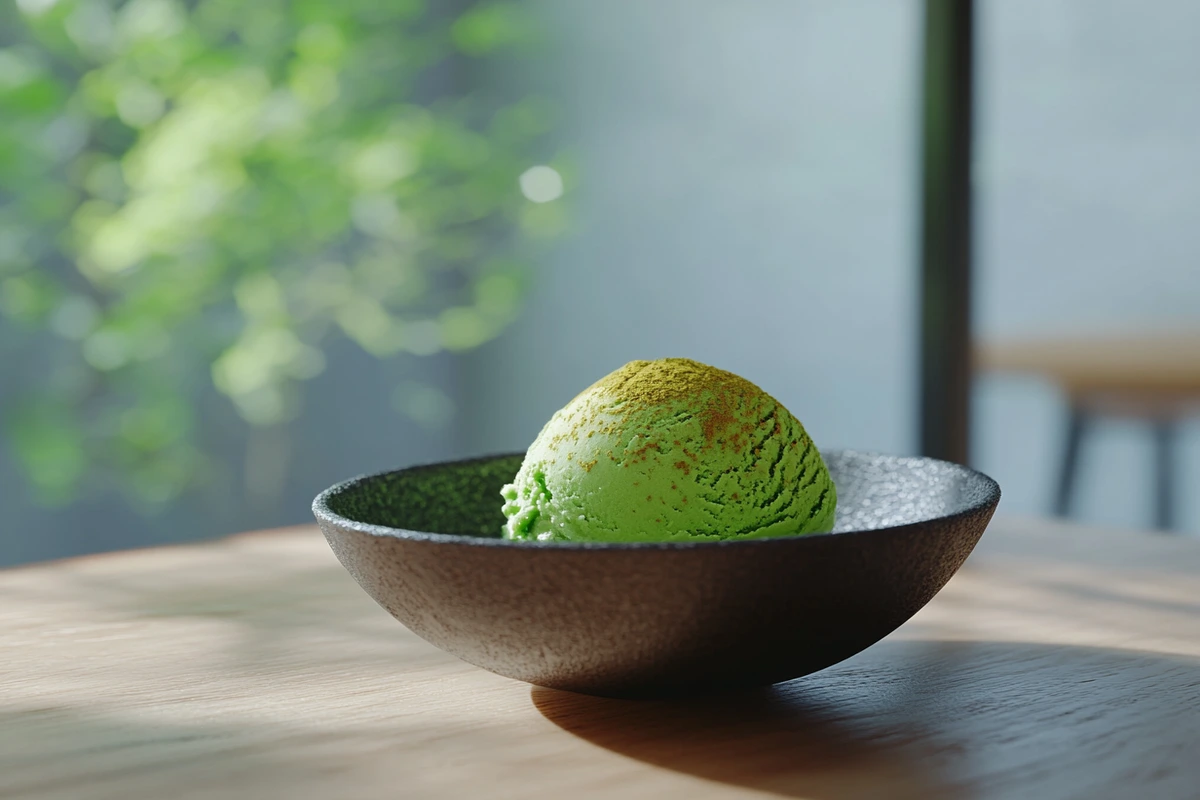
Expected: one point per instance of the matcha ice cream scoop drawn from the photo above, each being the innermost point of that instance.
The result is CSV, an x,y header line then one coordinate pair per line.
x,y
670,450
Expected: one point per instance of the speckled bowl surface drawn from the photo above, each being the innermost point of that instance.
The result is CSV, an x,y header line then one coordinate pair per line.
x,y
633,620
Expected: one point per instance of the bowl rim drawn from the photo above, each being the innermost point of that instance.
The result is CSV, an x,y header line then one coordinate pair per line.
x,y
327,517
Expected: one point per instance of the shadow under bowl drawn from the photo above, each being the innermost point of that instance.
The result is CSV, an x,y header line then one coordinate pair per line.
x,y
642,620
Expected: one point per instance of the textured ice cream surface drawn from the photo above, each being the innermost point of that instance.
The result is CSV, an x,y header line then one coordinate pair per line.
x,y
670,450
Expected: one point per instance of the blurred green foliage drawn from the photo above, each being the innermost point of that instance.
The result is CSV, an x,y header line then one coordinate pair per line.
x,y
220,187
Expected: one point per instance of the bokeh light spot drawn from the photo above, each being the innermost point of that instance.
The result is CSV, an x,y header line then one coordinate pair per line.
x,y
541,184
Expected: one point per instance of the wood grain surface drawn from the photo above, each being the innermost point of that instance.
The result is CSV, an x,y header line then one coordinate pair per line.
x,y
1061,662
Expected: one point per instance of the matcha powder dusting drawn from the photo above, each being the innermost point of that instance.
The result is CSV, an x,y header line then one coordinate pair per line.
x,y
670,450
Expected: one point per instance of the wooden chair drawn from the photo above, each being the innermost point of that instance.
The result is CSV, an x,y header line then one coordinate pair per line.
x,y
1154,378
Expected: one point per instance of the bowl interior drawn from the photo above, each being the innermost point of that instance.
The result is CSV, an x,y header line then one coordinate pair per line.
x,y
463,497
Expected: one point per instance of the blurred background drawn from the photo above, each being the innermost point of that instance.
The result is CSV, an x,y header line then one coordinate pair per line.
x,y
250,249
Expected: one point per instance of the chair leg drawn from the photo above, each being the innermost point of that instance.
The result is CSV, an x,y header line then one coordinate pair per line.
x,y
1076,427
1165,435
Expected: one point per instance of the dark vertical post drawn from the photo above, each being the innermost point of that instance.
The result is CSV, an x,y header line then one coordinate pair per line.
x,y
1077,421
1165,436
946,110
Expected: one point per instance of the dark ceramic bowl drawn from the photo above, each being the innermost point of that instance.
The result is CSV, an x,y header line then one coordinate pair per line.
x,y
655,619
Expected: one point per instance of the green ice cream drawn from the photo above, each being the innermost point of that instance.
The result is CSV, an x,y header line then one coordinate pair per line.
x,y
670,450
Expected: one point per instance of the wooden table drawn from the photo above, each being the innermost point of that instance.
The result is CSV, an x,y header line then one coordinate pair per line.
x,y
1061,662
1154,378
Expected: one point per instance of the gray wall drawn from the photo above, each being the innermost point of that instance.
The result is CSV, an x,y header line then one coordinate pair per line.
x,y
746,203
